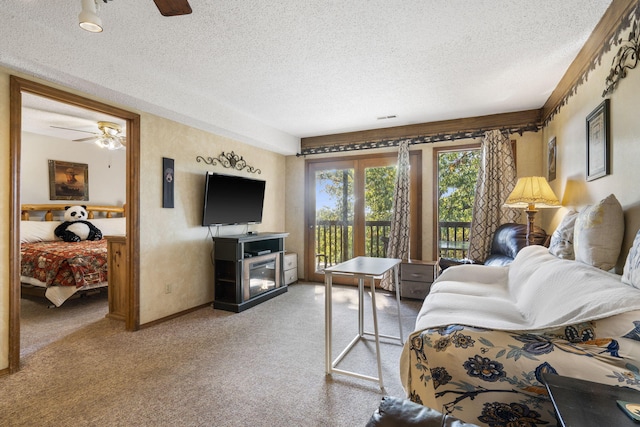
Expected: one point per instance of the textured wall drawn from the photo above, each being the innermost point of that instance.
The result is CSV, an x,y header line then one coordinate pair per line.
x,y
5,187
175,249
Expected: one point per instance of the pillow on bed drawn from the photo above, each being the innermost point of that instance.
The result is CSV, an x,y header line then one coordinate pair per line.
x,y
631,272
598,233
111,226
38,231
561,244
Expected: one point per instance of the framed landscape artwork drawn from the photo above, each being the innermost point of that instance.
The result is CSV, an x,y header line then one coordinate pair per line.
x,y
598,142
68,181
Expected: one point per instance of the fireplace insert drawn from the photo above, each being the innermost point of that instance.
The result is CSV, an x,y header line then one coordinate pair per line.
x,y
261,274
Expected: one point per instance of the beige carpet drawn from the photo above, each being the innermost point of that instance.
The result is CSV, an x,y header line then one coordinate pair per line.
x,y
262,367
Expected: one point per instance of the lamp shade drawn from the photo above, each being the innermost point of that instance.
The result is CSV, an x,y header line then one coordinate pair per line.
x,y
531,192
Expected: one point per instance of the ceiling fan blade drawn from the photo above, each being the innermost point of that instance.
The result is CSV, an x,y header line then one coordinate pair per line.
x,y
76,130
173,7
85,139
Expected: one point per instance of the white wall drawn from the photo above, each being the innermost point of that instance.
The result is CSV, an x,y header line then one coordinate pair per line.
x,y
107,169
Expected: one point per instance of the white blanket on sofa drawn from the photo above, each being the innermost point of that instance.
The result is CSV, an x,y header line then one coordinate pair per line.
x,y
536,291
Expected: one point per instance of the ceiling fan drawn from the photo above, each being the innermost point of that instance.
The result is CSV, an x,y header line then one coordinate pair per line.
x,y
171,7
89,20
109,136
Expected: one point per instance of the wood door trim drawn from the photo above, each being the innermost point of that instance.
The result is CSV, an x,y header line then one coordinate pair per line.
x,y
17,86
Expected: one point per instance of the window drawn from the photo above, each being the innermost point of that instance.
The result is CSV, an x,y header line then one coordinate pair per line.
x,y
456,173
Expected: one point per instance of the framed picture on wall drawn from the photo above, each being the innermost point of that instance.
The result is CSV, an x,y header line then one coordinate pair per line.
x,y
551,163
68,181
598,142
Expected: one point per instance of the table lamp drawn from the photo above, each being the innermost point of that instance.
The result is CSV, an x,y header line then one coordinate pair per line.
x,y
532,192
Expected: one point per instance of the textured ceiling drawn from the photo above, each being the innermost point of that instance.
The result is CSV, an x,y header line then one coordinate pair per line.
x,y
270,72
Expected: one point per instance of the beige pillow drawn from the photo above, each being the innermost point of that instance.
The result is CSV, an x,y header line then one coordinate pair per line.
x,y
561,244
598,233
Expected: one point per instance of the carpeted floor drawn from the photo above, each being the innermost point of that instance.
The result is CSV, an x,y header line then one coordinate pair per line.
x,y
41,323
262,367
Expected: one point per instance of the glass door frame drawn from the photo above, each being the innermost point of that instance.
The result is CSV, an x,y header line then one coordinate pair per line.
x,y
358,163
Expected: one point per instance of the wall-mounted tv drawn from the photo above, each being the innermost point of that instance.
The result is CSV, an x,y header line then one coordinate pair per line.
x,y
232,200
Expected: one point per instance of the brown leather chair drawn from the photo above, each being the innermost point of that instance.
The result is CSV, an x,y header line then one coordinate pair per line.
x,y
508,240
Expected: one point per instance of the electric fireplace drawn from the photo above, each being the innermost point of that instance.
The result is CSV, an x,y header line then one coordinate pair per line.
x,y
248,270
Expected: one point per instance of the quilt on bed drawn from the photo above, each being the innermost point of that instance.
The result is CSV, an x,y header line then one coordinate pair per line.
x,y
541,314
65,264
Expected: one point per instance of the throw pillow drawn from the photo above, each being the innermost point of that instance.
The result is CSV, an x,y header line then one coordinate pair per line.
x,y
561,244
598,233
631,272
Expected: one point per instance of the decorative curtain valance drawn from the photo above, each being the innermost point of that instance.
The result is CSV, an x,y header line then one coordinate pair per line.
x,y
427,139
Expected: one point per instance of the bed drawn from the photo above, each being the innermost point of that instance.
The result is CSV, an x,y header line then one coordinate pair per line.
x,y
485,335
58,269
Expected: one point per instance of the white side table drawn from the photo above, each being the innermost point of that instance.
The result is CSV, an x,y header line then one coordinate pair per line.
x,y
363,268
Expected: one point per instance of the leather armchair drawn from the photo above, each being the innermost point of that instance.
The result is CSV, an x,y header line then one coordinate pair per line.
x,y
508,240
396,412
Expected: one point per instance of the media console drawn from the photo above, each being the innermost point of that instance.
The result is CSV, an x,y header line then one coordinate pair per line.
x,y
248,270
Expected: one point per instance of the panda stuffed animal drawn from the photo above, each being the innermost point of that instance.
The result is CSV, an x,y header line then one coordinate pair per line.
x,y
76,227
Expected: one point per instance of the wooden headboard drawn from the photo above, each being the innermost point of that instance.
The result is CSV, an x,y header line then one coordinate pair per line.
x,y
109,211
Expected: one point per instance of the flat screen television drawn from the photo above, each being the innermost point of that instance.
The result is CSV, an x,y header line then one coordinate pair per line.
x,y
232,200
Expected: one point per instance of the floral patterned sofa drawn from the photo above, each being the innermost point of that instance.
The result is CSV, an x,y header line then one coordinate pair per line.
x,y
485,334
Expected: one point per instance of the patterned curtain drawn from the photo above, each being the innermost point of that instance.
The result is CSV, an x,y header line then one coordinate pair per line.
x,y
496,180
398,246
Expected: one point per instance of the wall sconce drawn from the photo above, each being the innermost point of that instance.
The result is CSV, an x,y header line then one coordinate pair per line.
x,y
88,17
532,192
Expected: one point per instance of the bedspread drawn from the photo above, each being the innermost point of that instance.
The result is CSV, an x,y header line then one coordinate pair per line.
x,y
493,378
65,264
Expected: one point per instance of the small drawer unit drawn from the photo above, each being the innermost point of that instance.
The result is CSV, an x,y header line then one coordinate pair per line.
x,y
290,268
416,278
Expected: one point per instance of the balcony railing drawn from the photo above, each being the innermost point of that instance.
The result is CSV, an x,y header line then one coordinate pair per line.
x,y
334,240
454,239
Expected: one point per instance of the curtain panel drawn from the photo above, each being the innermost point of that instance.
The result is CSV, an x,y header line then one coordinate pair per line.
x,y
496,179
398,246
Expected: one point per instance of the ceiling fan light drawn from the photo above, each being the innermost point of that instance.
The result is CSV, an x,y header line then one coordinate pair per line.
x,y
101,142
88,17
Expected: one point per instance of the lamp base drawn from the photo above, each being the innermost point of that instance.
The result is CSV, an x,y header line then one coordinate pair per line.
x,y
531,213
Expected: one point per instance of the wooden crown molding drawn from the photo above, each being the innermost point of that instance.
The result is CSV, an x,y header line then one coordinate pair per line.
x,y
428,132
602,39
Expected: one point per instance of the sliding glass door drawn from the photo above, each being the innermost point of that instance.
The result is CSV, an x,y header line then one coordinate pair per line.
x,y
349,209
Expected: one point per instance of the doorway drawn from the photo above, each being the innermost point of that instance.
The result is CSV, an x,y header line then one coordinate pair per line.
x,y
18,87
349,209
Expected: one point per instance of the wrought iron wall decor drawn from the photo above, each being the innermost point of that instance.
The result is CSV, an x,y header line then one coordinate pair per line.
x,y
626,59
427,139
229,160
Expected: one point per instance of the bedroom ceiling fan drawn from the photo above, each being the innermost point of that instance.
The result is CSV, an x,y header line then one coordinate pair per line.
x,y
109,136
